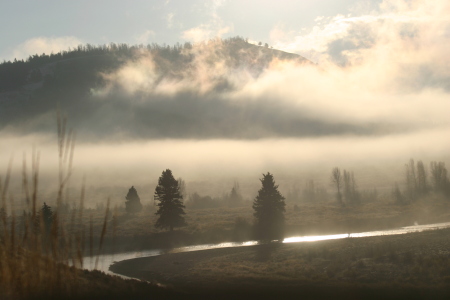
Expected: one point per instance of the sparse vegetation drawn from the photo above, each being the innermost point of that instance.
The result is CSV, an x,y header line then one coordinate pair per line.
x,y
336,179
439,177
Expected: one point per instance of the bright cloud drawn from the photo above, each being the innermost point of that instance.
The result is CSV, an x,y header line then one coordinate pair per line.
x,y
47,45
169,19
397,27
197,34
214,28
145,37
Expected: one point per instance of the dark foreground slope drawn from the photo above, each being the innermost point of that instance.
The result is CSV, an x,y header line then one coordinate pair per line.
x,y
412,266
69,283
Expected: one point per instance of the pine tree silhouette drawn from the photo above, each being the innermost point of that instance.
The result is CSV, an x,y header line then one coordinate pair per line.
x,y
269,209
171,208
133,203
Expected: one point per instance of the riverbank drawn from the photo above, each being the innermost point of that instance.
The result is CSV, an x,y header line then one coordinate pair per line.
x,y
413,266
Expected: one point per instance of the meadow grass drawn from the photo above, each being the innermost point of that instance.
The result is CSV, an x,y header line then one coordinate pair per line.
x,y
214,225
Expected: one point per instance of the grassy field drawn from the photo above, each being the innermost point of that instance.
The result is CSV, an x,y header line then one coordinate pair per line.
x,y
33,264
411,266
406,266
214,225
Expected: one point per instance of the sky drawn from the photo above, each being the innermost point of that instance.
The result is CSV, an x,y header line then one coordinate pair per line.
x,y
382,69
29,27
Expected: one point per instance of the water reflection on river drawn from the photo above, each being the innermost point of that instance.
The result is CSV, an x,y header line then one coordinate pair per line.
x,y
105,260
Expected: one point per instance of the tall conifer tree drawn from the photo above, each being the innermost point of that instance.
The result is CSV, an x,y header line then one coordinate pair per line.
x,y
171,208
269,209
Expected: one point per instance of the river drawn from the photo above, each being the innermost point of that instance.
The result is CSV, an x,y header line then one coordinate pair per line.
x,y
105,260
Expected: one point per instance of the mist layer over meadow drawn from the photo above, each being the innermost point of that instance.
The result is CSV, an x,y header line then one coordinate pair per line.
x,y
373,94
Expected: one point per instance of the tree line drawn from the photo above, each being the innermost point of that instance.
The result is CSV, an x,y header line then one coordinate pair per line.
x,y
16,73
419,182
169,60
269,205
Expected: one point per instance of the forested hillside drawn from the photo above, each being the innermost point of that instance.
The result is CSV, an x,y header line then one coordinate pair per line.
x,y
122,90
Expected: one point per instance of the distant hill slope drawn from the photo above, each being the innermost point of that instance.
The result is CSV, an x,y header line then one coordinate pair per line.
x,y
208,90
236,52
154,91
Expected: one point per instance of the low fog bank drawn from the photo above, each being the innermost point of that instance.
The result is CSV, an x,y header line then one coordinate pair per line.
x,y
212,167
221,111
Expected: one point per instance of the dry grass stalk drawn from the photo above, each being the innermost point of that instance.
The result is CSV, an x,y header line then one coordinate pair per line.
x,y
66,147
79,234
38,263
91,237
102,236
35,173
115,223
3,193
13,226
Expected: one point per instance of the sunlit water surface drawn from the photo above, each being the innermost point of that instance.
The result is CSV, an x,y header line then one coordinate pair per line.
x,y
103,262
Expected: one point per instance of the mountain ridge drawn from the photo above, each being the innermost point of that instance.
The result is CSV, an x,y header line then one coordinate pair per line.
x,y
190,91
21,72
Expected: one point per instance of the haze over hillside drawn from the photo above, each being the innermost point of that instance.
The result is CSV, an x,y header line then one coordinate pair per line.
x,y
207,90
127,92
220,111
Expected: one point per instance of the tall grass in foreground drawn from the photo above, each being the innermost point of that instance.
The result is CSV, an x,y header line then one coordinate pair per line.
x,y
35,253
